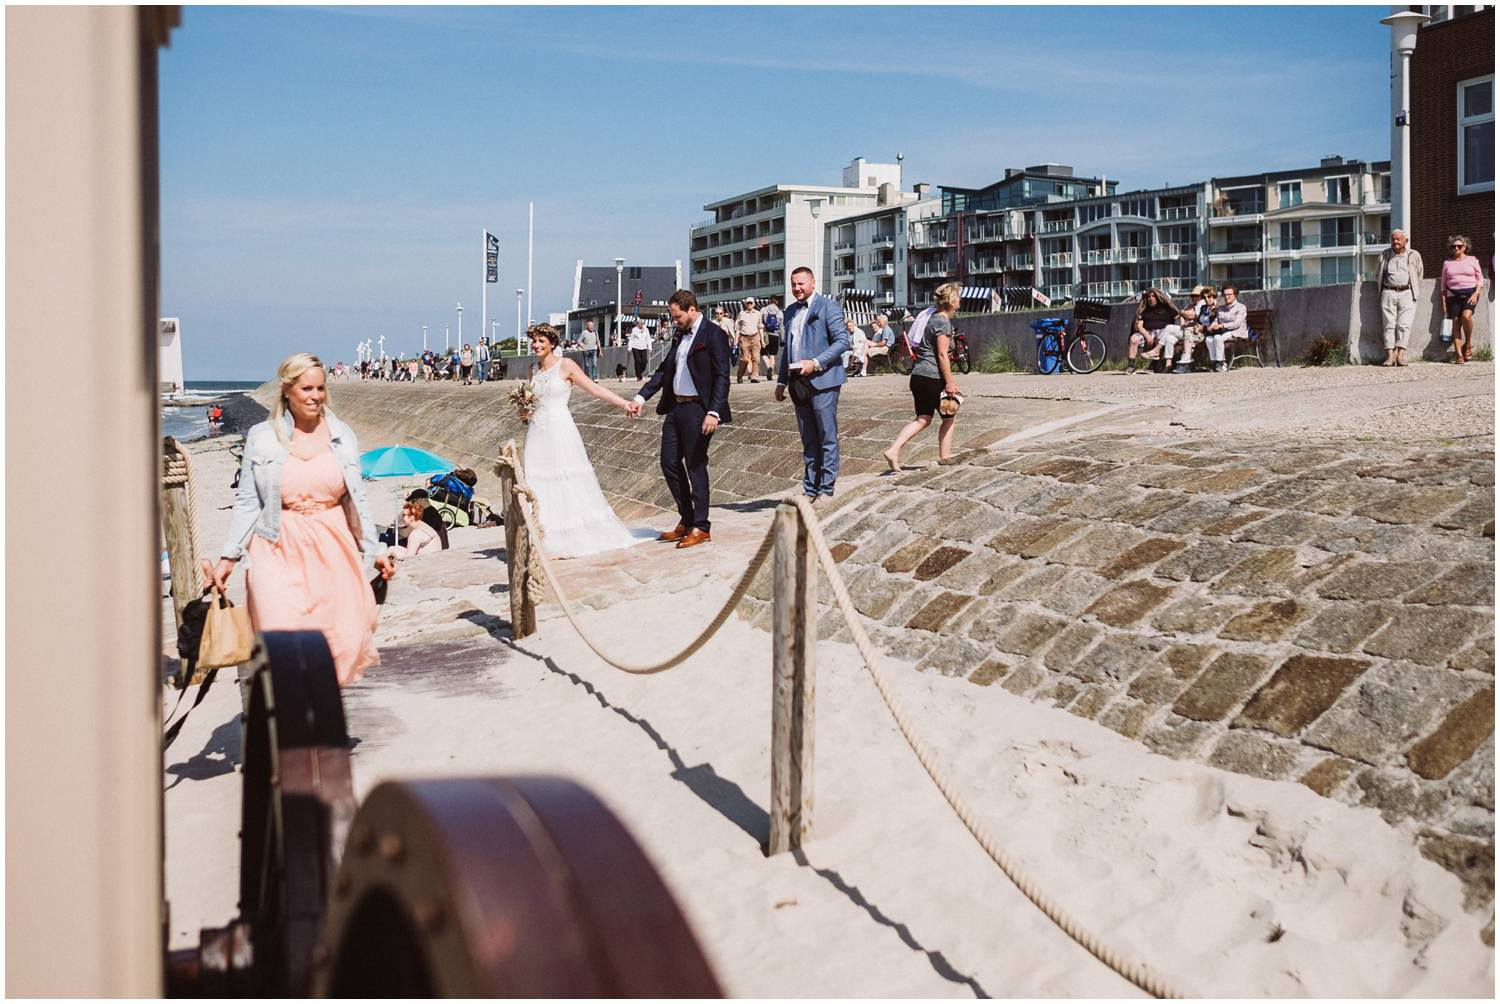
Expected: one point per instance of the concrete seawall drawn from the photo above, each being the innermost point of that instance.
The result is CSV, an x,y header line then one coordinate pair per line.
x,y
1299,317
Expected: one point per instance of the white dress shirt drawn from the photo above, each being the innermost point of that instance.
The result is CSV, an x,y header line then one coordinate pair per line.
x,y
682,380
798,323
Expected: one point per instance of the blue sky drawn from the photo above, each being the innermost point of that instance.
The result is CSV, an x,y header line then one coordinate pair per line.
x,y
326,172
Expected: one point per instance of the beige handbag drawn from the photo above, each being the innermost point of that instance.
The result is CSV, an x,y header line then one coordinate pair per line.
x,y
227,637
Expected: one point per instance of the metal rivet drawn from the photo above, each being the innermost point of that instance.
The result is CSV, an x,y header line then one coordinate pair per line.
x,y
430,916
320,955
392,847
361,838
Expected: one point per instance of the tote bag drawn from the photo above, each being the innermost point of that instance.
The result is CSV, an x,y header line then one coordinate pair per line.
x,y
227,636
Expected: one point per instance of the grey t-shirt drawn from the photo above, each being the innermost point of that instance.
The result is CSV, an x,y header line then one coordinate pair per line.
x,y
926,364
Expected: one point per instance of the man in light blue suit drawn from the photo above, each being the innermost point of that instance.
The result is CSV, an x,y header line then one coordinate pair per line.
x,y
811,368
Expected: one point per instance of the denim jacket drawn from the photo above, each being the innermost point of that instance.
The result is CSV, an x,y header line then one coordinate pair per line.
x,y
257,501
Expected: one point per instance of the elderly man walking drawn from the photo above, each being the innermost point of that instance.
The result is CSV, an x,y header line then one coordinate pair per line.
x,y
811,367
588,343
748,327
1400,273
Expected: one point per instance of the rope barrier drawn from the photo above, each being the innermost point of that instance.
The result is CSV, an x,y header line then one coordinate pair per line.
x,y
1137,972
177,469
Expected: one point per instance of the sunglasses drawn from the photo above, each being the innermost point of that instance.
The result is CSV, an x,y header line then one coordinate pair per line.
x,y
1460,246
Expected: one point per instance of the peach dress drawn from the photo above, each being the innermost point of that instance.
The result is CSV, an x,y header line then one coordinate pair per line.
x,y
312,579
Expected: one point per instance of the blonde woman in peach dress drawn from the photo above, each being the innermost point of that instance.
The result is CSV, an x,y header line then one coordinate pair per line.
x,y
303,527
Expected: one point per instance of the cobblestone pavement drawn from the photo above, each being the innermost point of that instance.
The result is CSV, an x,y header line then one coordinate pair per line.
x,y
1314,611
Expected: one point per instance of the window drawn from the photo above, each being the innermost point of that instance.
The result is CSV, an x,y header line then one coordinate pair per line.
x,y
1337,190
1476,135
1337,270
1291,194
1291,236
1337,232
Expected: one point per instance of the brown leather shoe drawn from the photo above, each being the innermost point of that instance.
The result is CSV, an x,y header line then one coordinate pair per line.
x,y
694,537
676,533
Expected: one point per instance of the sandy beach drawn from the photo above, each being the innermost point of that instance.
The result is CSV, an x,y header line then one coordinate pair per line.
x,y
1228,885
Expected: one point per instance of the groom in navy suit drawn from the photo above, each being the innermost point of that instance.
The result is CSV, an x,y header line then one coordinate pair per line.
x,y
814,341
694,384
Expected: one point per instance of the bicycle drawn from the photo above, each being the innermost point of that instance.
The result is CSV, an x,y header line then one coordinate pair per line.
x,y
958,352
1082,349
901,358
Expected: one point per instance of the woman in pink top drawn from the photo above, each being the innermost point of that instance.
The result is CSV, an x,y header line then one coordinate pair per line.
x,y
1461,283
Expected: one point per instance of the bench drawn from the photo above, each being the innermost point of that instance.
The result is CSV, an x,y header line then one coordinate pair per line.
x,y
1252,346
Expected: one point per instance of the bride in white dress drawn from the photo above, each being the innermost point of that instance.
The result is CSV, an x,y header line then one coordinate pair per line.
x,y
576,518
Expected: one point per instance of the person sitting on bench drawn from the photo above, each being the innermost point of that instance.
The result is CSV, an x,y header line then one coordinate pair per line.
x,y
1229,324
1156,332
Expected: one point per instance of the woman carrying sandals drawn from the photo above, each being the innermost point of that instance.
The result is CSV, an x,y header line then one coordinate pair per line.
x,y
931,375
1462,281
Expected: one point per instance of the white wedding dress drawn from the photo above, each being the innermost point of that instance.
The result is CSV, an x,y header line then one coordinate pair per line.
x,y
576,519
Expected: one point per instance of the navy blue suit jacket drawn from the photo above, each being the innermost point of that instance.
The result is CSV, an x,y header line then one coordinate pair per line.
x,y
708,365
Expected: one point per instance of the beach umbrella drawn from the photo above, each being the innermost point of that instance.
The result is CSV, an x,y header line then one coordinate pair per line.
x,y
400,461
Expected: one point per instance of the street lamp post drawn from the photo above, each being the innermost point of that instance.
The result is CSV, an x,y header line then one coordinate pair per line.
x,y
382,348
519,294
424,338
619,299
1404,25
460,325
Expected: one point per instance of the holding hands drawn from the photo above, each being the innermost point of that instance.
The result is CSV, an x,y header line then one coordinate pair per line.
x,y
633,409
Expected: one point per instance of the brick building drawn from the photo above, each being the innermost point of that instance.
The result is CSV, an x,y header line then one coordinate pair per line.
x,y
1453,134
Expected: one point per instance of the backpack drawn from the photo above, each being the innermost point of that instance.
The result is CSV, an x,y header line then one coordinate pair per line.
x,y
772,323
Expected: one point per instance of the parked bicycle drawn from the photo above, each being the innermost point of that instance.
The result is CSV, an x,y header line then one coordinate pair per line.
x,y
1081,350
901,358
958,352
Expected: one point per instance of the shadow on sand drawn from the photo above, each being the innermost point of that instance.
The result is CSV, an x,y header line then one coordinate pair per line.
x,y
729,800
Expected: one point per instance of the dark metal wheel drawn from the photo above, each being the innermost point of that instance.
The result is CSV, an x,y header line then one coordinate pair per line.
x,y
298,798
501,887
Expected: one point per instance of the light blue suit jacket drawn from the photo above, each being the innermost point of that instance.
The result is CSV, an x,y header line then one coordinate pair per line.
x,y
824,338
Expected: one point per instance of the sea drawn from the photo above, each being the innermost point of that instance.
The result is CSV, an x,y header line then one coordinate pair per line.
x,y
191,422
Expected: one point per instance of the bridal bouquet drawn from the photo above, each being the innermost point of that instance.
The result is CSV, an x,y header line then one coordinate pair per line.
x,y
525,400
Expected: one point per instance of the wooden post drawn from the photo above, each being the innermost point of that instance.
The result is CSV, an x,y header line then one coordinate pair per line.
x,y
176,527
517,559
794,610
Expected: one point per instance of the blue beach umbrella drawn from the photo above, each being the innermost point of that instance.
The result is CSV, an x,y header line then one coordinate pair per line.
x,y
400,461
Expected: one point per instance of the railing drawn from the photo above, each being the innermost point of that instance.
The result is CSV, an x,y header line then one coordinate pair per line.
x,y
880,239
1116,288
1174,250
1059,259
1059,292
985,265
1240,209
987,233
1236,247
1178,213
1378,240
884,268
931,271
843,270
1309,242
795,545
843,246
1306,281
930,241
1057,226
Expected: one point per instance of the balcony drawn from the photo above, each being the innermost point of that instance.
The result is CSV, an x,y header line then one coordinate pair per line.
x,y
1235,251
1309,242
1238,212
1112,256
1376,242
989,264
886,268
1113,289
842,271
1178,213
1059,259
1307,281
847,245
931,240
1174,251
1059,292
1176,286
932,271
883,241
985,234
1020,262
1057,226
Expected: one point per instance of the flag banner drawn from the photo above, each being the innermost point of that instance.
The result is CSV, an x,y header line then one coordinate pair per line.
x,y
491,257
1041,297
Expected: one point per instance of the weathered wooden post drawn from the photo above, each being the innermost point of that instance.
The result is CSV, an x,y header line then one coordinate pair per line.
x,y
177,525
794,610
517,555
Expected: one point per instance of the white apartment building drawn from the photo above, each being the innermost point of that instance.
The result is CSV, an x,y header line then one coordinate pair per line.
x,y
1309,227
750,244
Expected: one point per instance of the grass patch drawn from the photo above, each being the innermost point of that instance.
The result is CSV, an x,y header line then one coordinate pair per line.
x,y
1484,354
1327,351
1113,364
998,359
